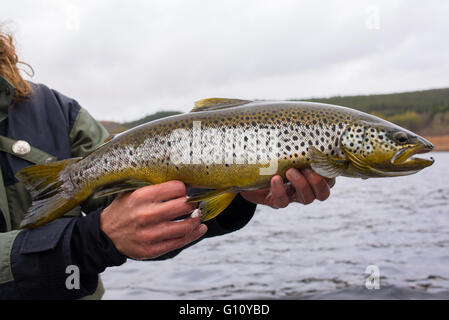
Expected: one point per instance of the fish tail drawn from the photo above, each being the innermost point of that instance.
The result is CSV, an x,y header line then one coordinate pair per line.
x,y
50,201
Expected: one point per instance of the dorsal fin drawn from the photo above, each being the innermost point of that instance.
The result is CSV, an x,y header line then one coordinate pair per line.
x,y
112,136
217,103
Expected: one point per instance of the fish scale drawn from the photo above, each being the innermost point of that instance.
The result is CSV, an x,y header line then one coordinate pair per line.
x,y
222,145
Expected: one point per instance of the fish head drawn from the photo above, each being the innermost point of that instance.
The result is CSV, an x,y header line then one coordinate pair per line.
x,y
378,148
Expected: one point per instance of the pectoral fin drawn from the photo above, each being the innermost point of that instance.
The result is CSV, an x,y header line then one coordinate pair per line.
x,y
126,185
327,166
213,202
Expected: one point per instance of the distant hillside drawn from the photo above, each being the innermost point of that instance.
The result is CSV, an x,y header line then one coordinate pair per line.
x,y
425,112
432,101
151,117
115,127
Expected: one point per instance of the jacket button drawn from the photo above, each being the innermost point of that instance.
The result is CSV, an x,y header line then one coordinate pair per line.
x,y
21,147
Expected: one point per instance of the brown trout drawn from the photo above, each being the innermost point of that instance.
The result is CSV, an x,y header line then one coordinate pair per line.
x,y
226,146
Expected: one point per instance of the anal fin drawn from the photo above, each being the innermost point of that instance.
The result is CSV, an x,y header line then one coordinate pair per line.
x,y
204,195
212,207
213,202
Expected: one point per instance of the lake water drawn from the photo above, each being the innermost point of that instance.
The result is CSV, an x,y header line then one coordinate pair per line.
x,y
319,251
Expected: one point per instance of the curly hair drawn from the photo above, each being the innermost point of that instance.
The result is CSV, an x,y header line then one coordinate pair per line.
x,y
9,62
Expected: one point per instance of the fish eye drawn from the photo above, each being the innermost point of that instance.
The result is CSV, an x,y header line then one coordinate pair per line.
x,y
400,137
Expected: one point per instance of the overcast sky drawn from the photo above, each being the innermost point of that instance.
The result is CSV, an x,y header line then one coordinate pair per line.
x,y
124,59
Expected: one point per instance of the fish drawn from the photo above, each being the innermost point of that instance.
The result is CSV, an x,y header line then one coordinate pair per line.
x,y
223,147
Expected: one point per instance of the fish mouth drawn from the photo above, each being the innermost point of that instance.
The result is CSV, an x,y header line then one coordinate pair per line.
x,y
406,156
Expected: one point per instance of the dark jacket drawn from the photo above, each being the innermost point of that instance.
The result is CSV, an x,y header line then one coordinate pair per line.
x,y
33,263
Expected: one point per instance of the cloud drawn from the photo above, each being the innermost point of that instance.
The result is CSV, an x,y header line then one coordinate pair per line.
x,y
124,61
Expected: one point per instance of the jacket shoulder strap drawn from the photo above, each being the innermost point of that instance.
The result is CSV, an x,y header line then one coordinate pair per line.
x,y
23,150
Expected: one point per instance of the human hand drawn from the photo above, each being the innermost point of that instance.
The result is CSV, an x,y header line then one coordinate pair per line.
x,y
305,186
140,225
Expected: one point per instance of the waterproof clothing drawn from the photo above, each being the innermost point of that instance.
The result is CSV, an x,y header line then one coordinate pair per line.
x,y
34,262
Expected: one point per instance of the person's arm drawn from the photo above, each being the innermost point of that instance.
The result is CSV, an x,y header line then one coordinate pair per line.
x,y
234,217
139,224
134,225
40,258
6,276
34,262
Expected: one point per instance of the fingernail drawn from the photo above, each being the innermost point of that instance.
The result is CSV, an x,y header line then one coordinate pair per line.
x,y
196,213
277,182
203,229
293,174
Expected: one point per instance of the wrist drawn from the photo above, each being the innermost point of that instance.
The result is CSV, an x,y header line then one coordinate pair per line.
x,y
102,250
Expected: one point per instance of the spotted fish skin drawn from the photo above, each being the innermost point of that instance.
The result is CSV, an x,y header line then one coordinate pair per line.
x,y
333,140
144,152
